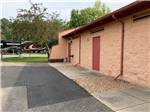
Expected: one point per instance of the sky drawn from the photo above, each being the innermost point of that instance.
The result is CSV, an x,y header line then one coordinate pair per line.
x,y
63,7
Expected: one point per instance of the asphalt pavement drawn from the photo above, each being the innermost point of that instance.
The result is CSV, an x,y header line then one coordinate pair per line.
x,y
44,88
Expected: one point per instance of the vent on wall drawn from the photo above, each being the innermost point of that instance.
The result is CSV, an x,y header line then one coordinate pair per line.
x,y
97,29
142,15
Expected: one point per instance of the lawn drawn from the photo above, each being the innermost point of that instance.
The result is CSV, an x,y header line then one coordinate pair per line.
x,y
25,58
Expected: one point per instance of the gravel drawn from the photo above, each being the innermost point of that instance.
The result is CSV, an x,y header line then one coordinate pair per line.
x,y
91,81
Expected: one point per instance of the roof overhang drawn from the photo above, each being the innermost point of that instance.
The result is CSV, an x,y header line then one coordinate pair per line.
x,y
120,13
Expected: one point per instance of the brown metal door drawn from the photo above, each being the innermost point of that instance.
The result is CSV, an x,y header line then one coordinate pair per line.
x,y
96,53
69,52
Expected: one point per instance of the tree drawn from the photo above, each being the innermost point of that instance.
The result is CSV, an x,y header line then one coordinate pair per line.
x,y
75,19
87,15
37,25
5,29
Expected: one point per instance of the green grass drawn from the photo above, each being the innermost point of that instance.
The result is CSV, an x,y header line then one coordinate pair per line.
x,y
26,55
33,55
25,58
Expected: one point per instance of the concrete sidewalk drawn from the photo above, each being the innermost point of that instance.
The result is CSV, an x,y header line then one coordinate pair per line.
x,y
120,96
135,99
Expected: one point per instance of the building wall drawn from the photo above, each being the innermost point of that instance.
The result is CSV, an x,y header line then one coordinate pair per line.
x,y
149,54
137,48
86,50
60,51
110,49
75,51
136,51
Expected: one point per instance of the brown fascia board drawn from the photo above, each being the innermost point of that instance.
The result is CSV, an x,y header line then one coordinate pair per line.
x,y
120,13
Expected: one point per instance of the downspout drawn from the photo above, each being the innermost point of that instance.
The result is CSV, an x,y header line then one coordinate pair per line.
x,y
122,47
69,49
80,49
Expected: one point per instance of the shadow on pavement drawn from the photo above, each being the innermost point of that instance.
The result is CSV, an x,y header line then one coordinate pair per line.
x,y
45,85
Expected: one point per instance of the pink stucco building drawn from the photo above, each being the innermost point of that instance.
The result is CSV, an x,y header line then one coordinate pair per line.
x,y
117,44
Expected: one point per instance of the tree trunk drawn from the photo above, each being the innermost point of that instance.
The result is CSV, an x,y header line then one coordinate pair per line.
x,y
48,50
13,52
48,55
1,55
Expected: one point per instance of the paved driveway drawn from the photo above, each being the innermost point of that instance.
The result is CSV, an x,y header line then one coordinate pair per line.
x,y
39,87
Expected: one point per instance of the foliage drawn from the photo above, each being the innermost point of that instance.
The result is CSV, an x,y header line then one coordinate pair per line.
x,y
5,29
52,42
37,25
87,15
